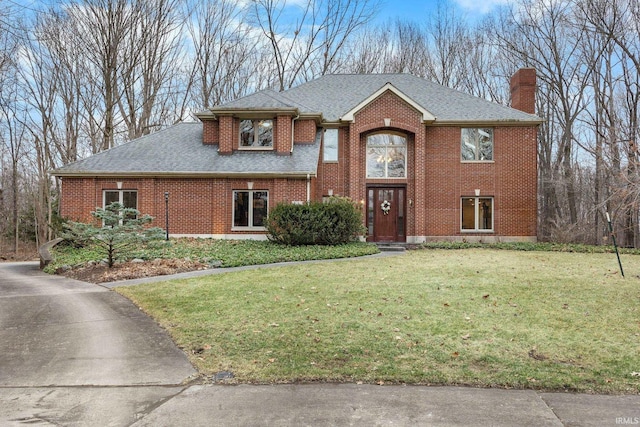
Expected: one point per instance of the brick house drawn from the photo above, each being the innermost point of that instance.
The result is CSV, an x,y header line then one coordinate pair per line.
x,y
423,161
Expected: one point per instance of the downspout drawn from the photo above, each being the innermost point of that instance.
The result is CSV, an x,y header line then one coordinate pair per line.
x,y
308,188
293,130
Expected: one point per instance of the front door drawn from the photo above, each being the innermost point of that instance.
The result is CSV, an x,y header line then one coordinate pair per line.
x,y
386,214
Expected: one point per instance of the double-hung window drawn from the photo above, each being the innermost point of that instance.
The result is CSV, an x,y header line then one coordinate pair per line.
x,y
127,198
476,144
250,208
256,134
477,214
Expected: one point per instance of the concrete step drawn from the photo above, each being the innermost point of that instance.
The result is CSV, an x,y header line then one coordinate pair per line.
x,y
391,247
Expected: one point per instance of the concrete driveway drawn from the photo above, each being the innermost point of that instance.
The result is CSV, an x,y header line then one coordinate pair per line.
x,y
73,353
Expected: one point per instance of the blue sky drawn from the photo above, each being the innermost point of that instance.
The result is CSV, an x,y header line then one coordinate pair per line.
x,y
415,9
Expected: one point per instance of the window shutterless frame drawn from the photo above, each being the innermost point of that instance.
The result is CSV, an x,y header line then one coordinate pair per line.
x,y
127,198
330,145
476,144
256,134
476,214
386,155
250,209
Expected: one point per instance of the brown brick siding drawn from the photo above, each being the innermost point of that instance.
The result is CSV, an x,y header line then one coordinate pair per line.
x,y
196,205
305,131
436,177
210,132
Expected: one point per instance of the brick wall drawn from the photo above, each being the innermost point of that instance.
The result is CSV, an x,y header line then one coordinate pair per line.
x,y
210,132
282,135
305,131
229,134
196,205
436,178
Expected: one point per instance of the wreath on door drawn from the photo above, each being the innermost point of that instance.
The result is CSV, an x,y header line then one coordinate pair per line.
x,y
385,206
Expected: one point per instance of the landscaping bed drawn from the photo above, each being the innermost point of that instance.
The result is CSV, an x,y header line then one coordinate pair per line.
x,y
186,254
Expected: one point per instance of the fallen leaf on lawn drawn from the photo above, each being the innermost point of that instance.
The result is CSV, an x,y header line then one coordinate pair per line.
x,y
272,360
455,354
274,325
207,347
466,337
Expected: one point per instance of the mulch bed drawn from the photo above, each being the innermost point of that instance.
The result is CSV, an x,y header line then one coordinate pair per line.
x,y
131,270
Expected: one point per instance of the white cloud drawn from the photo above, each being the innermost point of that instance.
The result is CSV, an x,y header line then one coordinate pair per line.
x,y
481,6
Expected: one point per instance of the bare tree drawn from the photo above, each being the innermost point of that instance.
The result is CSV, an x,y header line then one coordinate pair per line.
x,y
544,35
307,42
150,52
225,61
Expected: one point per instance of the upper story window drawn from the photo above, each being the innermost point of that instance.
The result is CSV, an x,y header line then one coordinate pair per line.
x,y
477,144
386,155
330,145
256,134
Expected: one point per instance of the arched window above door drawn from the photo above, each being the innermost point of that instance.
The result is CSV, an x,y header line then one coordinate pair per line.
x,y
386,155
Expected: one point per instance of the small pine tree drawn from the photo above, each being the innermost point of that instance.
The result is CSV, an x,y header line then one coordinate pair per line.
x,y
122,229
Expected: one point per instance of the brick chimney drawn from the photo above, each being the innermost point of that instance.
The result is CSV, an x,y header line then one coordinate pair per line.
x,y
523,90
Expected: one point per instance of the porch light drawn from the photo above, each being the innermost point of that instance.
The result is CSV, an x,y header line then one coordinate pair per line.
x,y
166,213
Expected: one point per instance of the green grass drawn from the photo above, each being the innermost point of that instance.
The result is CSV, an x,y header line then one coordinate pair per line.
x,y
481,317
231,253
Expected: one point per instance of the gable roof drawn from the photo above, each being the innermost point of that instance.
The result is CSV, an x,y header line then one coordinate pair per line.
x,y
179,151
426,115
336,97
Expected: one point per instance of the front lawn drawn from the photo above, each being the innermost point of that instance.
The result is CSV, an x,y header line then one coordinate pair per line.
x,y
481,317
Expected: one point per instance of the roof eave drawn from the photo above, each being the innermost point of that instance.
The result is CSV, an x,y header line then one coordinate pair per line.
x,y
507,122
184,174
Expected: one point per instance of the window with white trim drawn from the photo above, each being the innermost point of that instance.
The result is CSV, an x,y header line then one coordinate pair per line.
x,y
477,214
330,145
386,155
476,144
250,208
256,134
127,198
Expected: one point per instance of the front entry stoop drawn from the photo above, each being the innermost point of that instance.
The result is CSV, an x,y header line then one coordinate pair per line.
x,y
392,247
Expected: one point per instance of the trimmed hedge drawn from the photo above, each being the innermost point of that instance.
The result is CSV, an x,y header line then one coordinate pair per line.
x,y
316,223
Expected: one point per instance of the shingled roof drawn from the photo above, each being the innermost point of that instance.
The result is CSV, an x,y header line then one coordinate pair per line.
x,y
179,151
333,96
